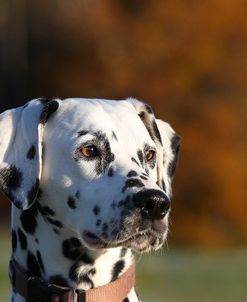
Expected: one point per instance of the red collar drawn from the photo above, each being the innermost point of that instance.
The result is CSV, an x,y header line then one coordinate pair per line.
x,y
34,289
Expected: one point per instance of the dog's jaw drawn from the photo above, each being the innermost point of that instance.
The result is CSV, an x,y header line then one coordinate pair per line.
x,y
59,256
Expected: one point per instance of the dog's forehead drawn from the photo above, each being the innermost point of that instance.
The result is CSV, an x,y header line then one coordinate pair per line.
x,y
111,117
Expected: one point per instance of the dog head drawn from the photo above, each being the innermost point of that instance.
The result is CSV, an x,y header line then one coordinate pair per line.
x,y
103,167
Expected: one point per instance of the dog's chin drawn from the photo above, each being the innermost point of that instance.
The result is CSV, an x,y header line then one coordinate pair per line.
x,y
144,242
140,242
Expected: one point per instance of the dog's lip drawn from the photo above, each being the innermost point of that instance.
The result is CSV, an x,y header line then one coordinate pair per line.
x,y
95,241
92,239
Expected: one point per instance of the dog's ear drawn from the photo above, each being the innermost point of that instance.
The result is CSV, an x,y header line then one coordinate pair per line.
x,y
166,140
170,145
21,134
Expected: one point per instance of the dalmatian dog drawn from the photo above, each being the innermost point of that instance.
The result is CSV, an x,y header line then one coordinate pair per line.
x,y
90,182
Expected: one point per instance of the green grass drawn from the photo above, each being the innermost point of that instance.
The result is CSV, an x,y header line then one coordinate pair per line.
x,y
192,276
177,275
4,260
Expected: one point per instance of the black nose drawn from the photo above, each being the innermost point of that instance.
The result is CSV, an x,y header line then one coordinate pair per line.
x,y
154,204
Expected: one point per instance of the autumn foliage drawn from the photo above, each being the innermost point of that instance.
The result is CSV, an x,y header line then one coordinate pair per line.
x,y
188,59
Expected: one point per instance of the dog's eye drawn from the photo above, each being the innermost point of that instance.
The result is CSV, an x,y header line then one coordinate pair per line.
x,y
150,155
89,151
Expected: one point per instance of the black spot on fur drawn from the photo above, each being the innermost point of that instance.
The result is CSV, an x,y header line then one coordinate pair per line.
x,y
106,155
132,182
14,241
10,180
49,108
58,280
72,248
31,152
140,156
175,145
172,167
163,185
96,210
117,269
56,231
85,258
110,172
82,132
45,210
40,261
22,239
132,173
135,161
143,177
28,219
148,109
114,136
109,158
123,251
156,132
142,115
33,265
98,222
71,202
57,223
79,278
77,194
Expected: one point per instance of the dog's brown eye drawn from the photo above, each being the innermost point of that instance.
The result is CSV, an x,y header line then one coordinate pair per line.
x,y
150,155
89,151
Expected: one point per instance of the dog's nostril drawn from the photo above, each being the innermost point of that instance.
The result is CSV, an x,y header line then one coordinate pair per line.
x,y
164,207
154,204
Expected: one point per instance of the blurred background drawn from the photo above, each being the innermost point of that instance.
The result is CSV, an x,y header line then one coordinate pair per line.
x,y
186,58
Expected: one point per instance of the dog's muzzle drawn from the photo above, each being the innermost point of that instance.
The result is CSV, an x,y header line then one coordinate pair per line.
x,y
143,227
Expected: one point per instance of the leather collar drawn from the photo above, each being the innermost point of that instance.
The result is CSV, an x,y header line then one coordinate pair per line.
x,y
34,289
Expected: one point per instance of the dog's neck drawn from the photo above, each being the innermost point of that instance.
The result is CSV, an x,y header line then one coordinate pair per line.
x,y
45,248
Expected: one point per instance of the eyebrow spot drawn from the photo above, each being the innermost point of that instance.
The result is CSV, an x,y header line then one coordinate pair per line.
x,y
135,161
114,136
82,132
140,156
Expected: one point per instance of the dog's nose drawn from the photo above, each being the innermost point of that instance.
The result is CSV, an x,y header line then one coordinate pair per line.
x,y
154,204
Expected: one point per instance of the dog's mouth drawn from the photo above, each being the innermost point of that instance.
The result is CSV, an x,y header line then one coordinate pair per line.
x,y
140,242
